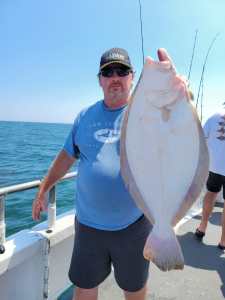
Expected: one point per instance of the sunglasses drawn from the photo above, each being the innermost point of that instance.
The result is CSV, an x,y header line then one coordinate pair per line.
x,y
119,71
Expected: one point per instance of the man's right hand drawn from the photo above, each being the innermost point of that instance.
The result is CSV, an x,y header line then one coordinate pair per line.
x,y
60,166
39,205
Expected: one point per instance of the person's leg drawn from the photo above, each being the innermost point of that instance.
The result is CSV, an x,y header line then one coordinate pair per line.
x,y
85,294
131,269
90,262
139,295
222,240
213,185
208,204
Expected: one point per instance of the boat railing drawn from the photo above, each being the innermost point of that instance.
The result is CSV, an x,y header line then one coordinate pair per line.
x,y
51,215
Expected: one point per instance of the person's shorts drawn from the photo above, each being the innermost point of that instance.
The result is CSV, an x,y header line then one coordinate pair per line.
x,y
215,182
96,250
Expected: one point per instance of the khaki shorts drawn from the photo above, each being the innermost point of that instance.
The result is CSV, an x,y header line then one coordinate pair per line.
x,y
95,251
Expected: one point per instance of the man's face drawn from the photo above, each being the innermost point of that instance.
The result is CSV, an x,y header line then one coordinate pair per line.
x,y
116,82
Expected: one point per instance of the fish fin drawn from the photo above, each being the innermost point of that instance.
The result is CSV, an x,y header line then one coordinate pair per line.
x,y
165,253
200,175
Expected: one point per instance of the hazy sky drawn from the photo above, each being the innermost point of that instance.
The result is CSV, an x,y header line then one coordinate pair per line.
x,y
50,50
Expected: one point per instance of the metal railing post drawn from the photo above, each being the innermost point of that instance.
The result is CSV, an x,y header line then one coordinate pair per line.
x,y
23,187
51,209
2,224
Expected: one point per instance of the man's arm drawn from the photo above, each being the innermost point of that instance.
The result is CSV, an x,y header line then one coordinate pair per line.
x,y
60,166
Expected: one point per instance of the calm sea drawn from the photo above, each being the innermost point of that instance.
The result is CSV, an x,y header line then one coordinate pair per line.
x,y
26,152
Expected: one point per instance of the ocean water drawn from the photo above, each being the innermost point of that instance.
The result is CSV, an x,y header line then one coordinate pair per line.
x,y
26,152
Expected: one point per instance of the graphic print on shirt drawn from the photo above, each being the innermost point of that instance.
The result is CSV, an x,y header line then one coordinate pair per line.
x,y
108,132
99,133
221,129
107,135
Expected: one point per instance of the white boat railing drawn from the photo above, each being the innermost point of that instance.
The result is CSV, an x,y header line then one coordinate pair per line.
x,y
27,186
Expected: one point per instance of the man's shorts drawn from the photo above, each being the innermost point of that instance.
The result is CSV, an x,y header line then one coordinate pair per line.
x,y
96,250
215,182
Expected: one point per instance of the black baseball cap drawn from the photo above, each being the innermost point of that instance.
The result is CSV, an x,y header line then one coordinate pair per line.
x,y
115,55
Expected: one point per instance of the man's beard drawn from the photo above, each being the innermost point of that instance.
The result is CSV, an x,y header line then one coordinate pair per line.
x,y
116,92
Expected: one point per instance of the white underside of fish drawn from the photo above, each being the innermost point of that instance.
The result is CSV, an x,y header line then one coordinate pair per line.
x,y
164,159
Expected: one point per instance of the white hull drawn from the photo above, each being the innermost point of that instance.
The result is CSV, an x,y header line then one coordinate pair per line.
x,y
35,264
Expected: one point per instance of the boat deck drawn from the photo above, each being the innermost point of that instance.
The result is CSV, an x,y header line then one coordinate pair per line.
x,y
203,276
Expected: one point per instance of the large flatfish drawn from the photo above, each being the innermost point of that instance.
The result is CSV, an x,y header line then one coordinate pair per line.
x,y
164,157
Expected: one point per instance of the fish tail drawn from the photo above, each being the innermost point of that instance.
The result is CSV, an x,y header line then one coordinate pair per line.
x,y
165,252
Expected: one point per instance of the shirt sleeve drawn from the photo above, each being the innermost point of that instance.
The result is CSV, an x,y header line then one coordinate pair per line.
x,y
70,144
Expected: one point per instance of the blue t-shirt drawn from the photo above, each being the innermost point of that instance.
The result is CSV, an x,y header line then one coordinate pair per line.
x,y
102,200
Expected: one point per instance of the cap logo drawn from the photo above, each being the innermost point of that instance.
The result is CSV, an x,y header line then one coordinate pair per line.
x,y
116,56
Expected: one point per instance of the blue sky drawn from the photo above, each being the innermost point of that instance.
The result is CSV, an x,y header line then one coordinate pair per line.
x,y
50,50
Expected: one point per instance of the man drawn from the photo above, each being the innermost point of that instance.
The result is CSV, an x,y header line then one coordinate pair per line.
x,y
214,129
109,228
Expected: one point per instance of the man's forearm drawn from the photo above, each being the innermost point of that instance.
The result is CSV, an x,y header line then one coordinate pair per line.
x,y
59,168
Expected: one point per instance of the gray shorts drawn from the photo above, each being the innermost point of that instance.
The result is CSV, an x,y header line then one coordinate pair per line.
x,y
96,250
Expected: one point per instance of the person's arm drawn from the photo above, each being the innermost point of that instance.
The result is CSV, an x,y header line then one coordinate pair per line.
x,y
59,168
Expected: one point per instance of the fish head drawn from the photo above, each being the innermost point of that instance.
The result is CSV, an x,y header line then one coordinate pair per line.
x,y
161,84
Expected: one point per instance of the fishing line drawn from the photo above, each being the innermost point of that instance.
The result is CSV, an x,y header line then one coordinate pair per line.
x,y
192,57
204,65
202,90
142,38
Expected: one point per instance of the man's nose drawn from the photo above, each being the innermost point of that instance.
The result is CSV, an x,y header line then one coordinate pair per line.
x,y
114,74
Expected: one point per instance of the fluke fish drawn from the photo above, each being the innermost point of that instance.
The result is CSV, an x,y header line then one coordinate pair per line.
x,y
164,156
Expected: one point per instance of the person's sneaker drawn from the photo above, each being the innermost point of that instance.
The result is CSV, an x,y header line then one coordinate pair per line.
x,y
221,247
199,234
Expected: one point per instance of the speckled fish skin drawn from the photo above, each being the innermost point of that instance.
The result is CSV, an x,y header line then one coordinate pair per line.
x,y
164,157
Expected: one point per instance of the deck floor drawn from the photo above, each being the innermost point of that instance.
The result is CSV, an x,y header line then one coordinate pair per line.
x,y
203,276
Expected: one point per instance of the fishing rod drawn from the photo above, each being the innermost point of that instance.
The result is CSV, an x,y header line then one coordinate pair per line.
x,y
202,91
141,24
193,52
204,65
